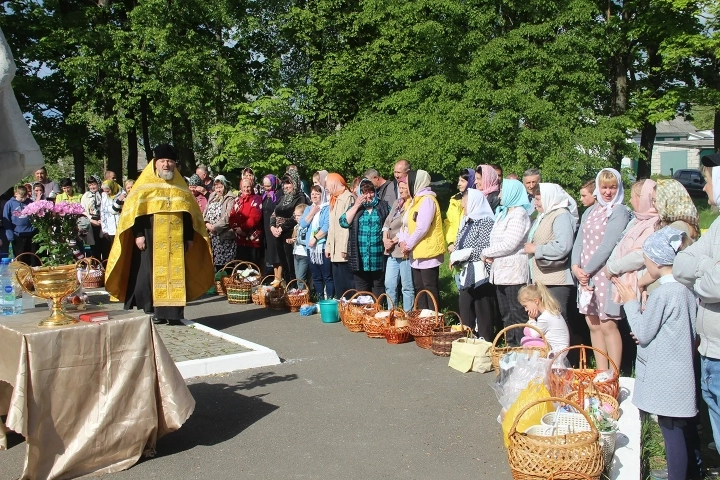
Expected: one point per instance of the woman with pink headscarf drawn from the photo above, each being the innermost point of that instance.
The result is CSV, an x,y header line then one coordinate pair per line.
x,y
627,260
488,182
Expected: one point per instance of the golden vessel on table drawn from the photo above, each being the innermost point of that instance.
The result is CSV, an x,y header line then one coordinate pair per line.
x,y
52,283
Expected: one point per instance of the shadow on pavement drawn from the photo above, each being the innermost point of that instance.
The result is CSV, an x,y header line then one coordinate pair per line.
x,y
221,413
230,319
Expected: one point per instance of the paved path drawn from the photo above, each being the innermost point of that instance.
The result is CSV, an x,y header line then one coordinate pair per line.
x,y
339,406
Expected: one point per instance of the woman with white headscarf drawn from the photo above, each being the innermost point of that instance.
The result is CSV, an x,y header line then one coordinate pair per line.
x,y
422,238
550,243
476,301
397,268
316,219
600,230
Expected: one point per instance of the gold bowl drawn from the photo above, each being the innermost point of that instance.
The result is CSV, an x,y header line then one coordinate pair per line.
x,y
51,283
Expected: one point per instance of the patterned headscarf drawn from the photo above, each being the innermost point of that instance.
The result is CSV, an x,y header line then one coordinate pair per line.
x,y
673,204
662,246
272,193
490,180
113,186
335,185
294,178
513,195
194,181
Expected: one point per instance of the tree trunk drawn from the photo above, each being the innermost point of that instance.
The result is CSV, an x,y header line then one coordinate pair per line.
x,y
647,142
716,126
112,141
144,111
132,158
182,140
78,153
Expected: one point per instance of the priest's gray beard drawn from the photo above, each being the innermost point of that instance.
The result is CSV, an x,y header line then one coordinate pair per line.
x,y
166,174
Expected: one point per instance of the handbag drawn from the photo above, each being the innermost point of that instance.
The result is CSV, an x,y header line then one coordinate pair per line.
x,y
550,266
468,354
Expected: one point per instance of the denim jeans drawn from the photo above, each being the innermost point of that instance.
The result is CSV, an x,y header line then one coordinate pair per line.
x,y
710,387
322,275
399,269
301,269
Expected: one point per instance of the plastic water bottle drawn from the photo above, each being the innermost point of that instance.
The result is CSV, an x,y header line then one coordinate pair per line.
x,y
6,288
18,291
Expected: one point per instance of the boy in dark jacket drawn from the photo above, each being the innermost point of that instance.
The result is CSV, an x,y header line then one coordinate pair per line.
x,y
18,229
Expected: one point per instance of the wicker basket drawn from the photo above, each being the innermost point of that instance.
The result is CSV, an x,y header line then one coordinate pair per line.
x,y
563,380
575,396
95,278
238,288
444,336
342,304
568,475
295,300
422,328
355,312
258,292
276,300
222,278
374,326
496,352
536,457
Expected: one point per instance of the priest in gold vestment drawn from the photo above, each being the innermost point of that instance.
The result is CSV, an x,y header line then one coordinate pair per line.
x,y
161,257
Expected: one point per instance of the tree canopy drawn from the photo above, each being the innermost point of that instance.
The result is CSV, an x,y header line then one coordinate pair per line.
x,y
346,85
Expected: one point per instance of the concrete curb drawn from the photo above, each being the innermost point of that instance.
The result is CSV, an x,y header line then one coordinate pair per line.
x,y
626,462
260,356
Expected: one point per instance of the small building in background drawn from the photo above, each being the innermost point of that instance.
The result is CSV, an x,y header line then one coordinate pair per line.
x,y
678,145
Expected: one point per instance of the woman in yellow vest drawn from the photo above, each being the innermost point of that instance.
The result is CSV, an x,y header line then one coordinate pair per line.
x,y
422,238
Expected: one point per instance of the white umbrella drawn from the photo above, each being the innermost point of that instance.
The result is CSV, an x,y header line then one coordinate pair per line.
x,y
19,152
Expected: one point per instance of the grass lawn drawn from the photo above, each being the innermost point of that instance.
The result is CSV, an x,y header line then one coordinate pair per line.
x,y
707,214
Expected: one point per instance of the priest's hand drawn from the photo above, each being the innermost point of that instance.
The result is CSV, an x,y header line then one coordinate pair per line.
x,y
140,242
188,245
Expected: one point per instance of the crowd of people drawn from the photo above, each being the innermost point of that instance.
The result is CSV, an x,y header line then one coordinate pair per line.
x,y
519,250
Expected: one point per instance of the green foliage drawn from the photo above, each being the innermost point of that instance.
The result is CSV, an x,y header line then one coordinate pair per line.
x,y
344,86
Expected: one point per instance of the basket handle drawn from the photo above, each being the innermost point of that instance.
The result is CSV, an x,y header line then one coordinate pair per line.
x,y
583,356
90,261
243,262
391,307
432,297
296,280
28,253
359,293
346,292
88,267
229,264
503,332
570,403
266,277
450,313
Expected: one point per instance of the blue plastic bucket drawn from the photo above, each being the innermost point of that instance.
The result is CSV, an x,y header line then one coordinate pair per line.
x,y
329,311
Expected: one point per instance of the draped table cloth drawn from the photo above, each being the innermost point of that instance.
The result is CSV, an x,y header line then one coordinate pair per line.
x,y
89,397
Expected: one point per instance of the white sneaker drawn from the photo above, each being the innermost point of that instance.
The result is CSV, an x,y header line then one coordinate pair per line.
x,y
712,446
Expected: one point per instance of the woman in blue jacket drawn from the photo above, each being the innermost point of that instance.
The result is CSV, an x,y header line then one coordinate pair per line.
x,y
316,219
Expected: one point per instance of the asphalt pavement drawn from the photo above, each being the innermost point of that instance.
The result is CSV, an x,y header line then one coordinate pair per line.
x,y
340,405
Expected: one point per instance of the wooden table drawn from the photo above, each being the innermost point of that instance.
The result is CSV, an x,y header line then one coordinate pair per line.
x,y
89,397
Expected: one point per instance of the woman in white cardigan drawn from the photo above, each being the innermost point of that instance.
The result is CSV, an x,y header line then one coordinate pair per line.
x,y
506,252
